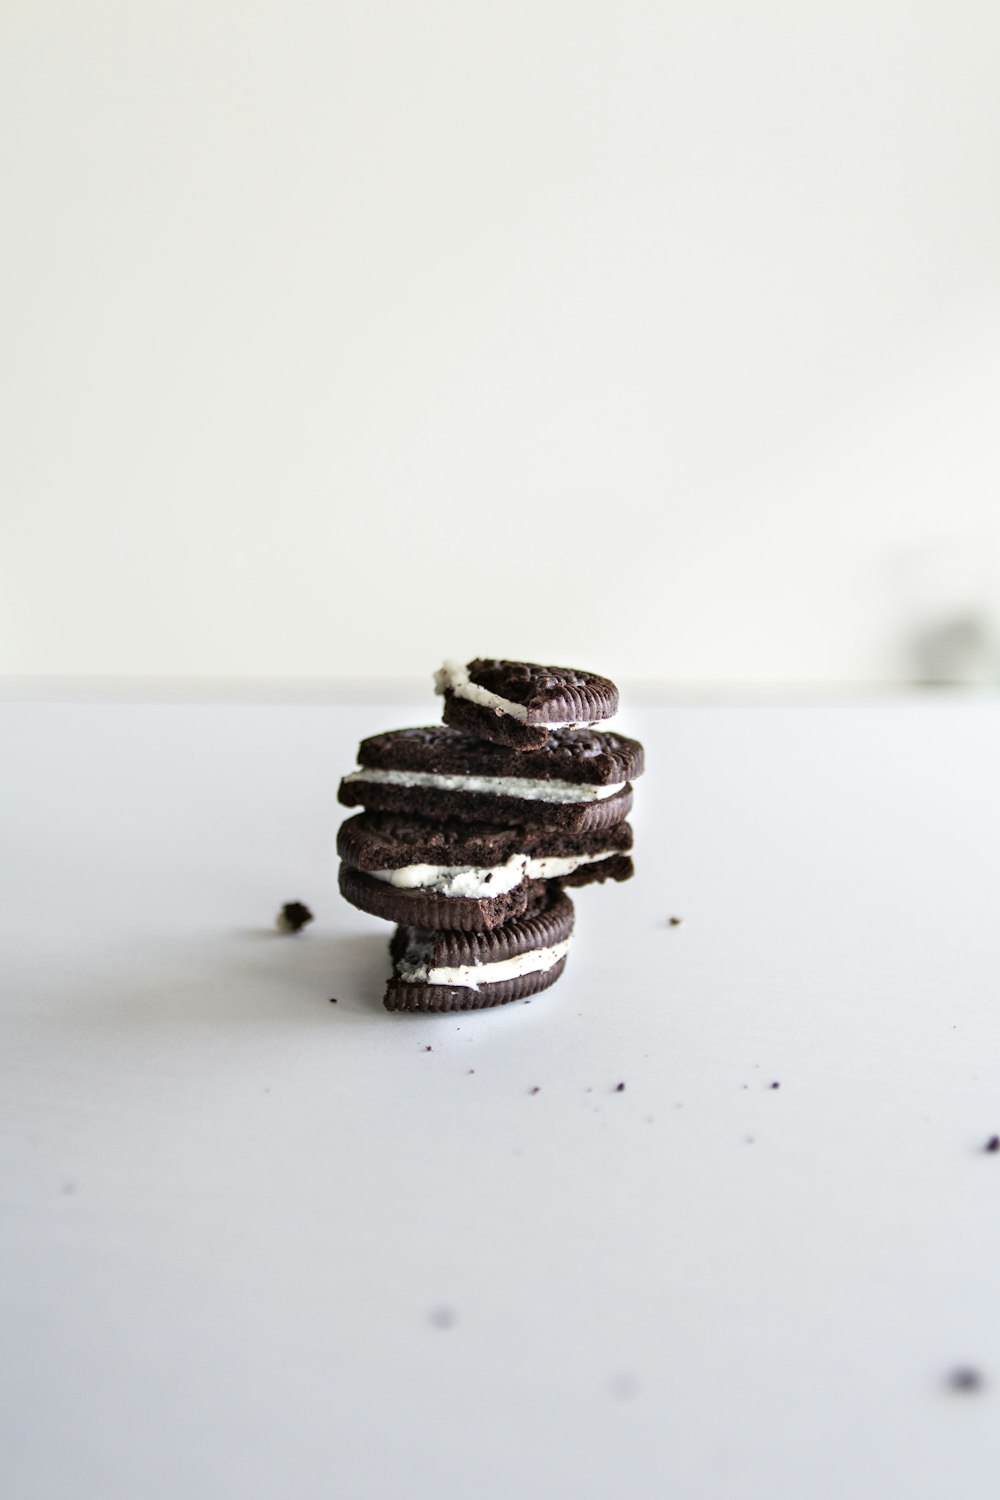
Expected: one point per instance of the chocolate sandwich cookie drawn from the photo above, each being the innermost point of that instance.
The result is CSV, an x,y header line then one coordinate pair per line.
x,y
448,971
578,781
466,877
518,703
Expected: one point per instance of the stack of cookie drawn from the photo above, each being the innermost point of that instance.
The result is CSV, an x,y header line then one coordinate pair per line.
x,y
473,828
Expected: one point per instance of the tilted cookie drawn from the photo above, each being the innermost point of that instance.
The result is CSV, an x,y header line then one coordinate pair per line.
x,y
518,703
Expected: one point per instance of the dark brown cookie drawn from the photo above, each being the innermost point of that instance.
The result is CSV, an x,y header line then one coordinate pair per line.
x,y
590,757
579,780
426,908
468,877
388,841
431,803
519,704
618,867
449,971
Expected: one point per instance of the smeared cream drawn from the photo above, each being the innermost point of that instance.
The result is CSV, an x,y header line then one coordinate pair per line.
x,y
499,786
454,677
457,880
480,882
413,967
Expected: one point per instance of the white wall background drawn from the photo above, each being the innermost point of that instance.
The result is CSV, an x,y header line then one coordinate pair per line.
x,y
658,337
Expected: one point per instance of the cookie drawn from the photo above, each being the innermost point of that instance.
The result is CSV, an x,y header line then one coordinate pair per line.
x,y
466,877
449,971
580,780
519,704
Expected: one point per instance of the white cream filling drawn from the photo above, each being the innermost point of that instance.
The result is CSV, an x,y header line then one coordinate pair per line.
x,y
457,880
479,882
500,786
413,967
455,677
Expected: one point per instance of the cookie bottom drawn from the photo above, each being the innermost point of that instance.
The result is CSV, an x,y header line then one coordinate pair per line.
x,y
431,998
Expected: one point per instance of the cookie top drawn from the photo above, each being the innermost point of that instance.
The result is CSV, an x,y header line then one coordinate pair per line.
x,y
392,841
584,756
551,697
548,920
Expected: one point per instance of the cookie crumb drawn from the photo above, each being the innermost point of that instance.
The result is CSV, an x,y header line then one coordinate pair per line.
x,y
619,1088
293,916
428,1048
69,1188
776,1084
674,921
965,1378
443,1317
472,1070
535,1090
333,1000
993,1144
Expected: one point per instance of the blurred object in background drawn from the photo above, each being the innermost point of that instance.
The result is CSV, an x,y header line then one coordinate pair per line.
x,y
340,337
951,603
957,652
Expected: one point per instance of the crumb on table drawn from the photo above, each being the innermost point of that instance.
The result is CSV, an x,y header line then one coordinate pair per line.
x,y
293,916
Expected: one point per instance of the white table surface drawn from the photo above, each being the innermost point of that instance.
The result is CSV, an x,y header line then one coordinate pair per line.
x,y
234,1216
